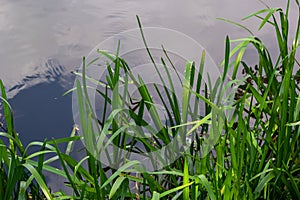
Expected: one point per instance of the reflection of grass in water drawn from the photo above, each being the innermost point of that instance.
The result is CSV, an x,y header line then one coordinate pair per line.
x,y
257,157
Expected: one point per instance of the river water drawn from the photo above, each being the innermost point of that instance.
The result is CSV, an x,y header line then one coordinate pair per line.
x,y
43,41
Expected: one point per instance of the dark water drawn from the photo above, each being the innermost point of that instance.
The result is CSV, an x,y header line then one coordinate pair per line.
x,y
43,41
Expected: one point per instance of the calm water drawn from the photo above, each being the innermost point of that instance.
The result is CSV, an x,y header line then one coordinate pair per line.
x,y
43,41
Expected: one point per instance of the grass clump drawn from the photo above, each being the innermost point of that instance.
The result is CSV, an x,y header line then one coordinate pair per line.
x,y
255,157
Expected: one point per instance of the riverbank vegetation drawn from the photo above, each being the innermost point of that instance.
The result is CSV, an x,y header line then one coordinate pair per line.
x,y
256,156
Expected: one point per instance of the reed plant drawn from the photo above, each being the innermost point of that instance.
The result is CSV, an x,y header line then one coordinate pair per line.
x,y
256,156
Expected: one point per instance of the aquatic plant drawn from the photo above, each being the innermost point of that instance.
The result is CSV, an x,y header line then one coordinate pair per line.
x,y
255,157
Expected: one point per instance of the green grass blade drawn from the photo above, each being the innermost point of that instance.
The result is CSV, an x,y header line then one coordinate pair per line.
x,y
175,189
39,180
186,190
116,186
119,171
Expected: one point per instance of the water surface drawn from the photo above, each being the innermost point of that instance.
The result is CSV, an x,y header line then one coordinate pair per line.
x,y
43,41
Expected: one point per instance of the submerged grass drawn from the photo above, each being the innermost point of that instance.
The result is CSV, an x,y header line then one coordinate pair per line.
x,y
255,157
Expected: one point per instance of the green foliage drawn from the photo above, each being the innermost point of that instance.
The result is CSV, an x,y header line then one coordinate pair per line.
x,y
255,157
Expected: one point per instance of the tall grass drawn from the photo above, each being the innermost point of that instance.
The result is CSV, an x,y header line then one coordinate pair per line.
x,y
255,157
